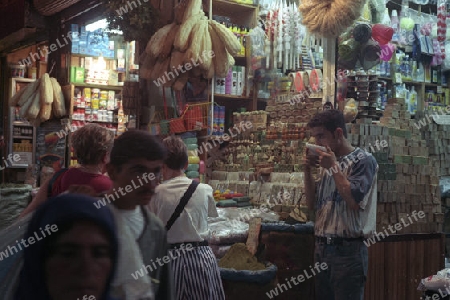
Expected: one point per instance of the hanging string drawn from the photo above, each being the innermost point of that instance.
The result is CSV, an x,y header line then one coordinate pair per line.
x,y
51,69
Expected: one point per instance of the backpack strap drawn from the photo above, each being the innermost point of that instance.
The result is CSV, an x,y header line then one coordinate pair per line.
x,y
183,201
52,181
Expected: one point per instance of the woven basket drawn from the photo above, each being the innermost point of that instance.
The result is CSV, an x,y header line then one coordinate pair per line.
x,y
51,7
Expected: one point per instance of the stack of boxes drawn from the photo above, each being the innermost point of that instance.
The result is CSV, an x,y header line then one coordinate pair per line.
x,y
407,180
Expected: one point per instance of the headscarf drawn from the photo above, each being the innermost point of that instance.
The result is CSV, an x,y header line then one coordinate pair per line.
x,y
61,211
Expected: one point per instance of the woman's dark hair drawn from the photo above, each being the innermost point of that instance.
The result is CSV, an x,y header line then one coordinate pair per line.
x,y
330,120
177,157
136,144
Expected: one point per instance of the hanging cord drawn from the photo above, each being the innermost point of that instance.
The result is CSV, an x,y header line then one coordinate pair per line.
x,y
165,102
51,69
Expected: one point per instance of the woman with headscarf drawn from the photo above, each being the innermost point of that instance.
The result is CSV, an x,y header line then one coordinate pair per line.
x,y
76,259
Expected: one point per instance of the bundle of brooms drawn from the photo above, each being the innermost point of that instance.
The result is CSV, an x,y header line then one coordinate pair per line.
x,y
191,46
330,18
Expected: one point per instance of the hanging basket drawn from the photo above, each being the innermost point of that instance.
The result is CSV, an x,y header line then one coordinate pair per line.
x,y
51,7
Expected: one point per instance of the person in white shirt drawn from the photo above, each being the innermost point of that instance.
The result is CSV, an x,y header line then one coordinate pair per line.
x,y
196,273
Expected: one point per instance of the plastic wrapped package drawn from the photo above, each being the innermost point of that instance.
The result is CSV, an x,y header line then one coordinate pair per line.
x,y
192,174
265,192
279,177
233,176
222,185
232,185
226,232
219,175
289,196
220,250
242,187
213,184
297,178
246,176
254,190
245,214
437,282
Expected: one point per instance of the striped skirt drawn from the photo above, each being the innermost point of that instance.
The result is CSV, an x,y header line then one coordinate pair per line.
x,y
196,275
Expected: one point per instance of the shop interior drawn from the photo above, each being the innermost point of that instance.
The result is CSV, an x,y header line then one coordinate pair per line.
x,y
240,93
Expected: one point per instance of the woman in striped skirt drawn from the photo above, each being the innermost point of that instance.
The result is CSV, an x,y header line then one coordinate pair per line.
x,y
184,206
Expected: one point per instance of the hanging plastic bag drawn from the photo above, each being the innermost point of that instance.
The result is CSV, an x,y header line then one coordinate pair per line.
x,y
382,33
387,51
348,54
350,110
362,32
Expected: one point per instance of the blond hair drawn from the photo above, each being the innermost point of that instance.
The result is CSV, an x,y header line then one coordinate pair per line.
x,y
91,143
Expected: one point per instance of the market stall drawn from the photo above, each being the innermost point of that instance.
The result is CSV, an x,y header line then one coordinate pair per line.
x,y
238,81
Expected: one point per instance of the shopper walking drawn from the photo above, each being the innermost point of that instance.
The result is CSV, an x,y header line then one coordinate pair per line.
x,y
134,168
74,253
344,201
184,206
92,146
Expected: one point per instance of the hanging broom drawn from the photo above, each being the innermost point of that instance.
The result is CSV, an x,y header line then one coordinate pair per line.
x,y
329,18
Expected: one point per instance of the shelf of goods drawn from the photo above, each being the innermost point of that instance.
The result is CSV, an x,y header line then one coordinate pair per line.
x,y
22,135
94,103
235,87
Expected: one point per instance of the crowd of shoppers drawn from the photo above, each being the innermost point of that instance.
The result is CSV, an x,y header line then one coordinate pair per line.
x,y
111,224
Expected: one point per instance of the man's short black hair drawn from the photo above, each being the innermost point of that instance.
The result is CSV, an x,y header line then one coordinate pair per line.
x,y
136,144
330,120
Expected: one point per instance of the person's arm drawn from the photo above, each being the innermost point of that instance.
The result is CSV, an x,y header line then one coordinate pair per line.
x,y
40,198
212,210
344,188
355,187
310,184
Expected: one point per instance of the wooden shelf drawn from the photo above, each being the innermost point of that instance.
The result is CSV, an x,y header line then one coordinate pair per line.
x,y
241,14
99,86
88,55
234,97
434,84
19,123
233,5
22,137
412,82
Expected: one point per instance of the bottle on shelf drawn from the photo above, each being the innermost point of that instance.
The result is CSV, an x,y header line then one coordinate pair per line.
x,y
120,120
395,25
413,101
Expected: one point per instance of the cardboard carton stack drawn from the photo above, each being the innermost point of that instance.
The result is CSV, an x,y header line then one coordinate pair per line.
x,y
406,179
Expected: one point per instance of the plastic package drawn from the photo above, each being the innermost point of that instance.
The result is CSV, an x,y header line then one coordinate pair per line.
x,y
254,190
226,232
233,176
192,146
192,167
350,110
202,167
193,159
192,174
